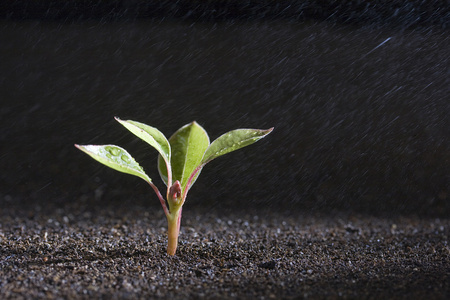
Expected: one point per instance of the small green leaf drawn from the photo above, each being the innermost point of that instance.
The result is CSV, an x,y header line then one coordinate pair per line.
x,y
116,158
188,146
232,141
162,169
151,135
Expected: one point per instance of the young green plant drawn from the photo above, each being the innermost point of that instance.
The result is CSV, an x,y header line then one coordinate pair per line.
x,y
181,159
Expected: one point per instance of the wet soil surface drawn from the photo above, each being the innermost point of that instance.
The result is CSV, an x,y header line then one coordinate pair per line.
x,y
118,251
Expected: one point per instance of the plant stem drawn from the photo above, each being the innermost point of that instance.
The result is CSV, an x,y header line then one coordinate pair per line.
x,y
189,182
173,222
169,175
160,197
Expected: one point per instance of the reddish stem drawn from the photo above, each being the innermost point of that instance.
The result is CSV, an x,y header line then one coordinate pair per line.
x,y
179,219
189,182
174,221
161,199
169,174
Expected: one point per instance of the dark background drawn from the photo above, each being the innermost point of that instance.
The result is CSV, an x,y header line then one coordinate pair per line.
x,y
358,93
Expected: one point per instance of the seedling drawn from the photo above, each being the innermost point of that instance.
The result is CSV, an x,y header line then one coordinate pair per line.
x,y
180,161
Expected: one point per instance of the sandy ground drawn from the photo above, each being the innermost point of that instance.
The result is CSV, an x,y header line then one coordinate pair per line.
x,y
118,251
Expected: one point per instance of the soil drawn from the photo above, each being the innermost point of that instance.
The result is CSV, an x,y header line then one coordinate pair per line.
x,y
112,251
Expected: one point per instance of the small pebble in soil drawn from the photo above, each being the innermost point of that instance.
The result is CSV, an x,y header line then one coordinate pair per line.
x,y
268,265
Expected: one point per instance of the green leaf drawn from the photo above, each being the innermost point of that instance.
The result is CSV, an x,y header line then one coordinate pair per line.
x,y
116,158
188,146
232,141
151,135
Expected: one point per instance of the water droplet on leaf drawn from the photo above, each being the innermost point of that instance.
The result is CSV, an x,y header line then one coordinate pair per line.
x,y
113,151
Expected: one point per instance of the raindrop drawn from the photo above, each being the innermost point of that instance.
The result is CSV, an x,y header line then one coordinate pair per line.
x,y
113,151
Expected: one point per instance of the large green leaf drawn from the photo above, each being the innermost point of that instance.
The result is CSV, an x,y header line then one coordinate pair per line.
x,y
151,135
232,141
188,146
116,158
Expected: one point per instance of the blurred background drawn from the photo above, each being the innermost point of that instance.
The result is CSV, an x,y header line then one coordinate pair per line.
x,y
358,93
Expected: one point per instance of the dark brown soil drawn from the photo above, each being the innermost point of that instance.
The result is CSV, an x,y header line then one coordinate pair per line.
x,y
118,251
